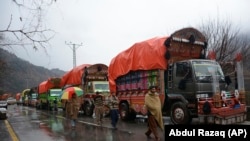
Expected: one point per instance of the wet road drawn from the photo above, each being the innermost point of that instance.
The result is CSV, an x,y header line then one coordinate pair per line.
x,y
30,124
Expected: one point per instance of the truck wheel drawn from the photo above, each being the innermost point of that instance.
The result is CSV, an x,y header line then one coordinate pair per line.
x,y
180,114
124,111
88,109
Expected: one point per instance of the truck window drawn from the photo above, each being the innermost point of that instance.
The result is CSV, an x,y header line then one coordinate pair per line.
x,y
183,70
102,87
205,70
180,71
55,92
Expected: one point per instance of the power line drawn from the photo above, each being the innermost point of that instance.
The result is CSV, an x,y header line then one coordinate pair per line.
x,y
75,46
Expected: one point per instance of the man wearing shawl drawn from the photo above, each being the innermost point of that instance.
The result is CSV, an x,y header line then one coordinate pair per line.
x,y
153,104
72,109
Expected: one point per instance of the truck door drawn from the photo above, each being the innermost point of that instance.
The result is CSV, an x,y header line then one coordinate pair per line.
x,y
183,80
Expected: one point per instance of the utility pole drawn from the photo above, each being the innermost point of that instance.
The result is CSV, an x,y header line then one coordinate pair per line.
x,y
75,46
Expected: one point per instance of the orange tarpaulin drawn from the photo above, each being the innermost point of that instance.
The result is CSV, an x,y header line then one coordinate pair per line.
x,y
44,86
49,84
145,55
187,43
74,76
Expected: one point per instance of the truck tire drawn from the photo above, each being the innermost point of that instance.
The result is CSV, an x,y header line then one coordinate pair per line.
x,y
180,114
88,109
124,111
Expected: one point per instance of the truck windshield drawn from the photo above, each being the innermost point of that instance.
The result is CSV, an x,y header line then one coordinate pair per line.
x,y
34,96
207,70
55,93
103,87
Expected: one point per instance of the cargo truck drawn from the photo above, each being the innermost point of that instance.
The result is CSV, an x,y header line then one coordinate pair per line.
x,y
48,91
32,97
90,78
189,84
24,97
73,78
95,79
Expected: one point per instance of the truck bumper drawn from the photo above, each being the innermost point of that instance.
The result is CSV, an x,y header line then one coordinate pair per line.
x,y
225,116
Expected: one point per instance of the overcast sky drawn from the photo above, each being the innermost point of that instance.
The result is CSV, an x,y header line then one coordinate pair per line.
x,y
107,27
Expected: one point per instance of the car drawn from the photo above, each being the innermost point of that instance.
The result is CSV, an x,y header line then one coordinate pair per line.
x,y
3,109
11,101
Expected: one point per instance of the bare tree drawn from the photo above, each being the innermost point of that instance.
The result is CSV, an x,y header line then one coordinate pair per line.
x,y
226,40
31,30
26,28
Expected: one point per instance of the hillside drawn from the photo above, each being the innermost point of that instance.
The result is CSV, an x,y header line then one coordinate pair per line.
x,y
17,74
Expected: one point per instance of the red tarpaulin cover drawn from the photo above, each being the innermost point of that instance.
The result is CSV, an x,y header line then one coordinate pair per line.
x,y
151,54
44,86
74,76
49,84
145,55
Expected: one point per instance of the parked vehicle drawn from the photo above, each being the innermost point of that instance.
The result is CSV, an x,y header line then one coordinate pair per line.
x,y
73,78
3,109
24,97
32,97
95,79
189,84
11,101
90,78
47,91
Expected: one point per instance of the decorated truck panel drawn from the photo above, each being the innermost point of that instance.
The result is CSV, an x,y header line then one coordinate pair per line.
x,y
189,85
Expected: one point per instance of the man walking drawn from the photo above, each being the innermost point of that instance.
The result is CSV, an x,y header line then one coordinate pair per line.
x,y
114,113
153,104
72,110
98,102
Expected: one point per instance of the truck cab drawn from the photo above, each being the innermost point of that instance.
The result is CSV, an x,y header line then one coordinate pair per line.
x,y
47,92
94,80
191,84
189,79
32,99
46,99
95,86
